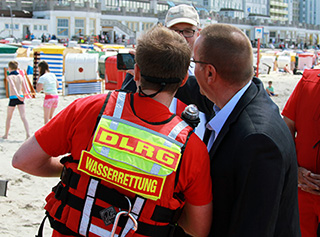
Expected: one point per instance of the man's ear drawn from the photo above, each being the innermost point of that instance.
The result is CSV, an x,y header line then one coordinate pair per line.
x,y
185,79
211,73
136,73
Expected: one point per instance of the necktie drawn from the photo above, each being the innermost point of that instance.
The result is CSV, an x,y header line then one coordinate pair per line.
x,y
207,132
206,136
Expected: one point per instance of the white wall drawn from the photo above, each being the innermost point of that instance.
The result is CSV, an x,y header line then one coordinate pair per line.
x,y
18,33
71,15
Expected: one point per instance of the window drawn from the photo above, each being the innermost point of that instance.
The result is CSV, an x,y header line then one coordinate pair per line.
x,y
63,27
272,34
79,27
40,27
92,27
135,26
146,26
264,12
150,25
35,27
45,28
16,26
7,26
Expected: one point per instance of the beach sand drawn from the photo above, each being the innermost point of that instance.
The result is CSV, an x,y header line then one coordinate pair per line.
x,y
22,210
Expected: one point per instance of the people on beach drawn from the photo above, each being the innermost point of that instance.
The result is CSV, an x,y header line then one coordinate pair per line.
x,y
49,84
296,72
16,98
128,155
287,69
270,89
252,154
302,115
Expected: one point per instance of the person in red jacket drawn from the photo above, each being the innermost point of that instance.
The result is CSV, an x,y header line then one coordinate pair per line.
x,y
138,167
302,115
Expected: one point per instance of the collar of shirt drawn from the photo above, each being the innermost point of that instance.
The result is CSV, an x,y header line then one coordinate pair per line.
x,y
14,73
222,115
191,68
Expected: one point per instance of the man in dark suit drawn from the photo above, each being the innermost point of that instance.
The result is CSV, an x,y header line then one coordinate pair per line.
x,y
253,159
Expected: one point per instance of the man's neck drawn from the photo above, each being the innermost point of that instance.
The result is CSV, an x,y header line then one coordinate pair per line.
x,y
226,93
163,97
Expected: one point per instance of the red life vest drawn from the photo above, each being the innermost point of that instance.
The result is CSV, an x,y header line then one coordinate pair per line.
x,y
87,206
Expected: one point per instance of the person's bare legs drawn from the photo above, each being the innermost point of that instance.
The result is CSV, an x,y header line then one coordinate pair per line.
x,y
22,113
8,120
46,114
52,109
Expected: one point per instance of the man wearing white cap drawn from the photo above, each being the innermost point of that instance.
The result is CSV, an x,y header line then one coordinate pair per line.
x,y
183,19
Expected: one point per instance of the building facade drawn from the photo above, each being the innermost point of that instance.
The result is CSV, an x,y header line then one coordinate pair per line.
x,y
309,11
123,20
279,10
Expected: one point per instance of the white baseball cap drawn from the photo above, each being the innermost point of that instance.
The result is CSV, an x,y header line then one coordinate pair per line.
x,y
182,14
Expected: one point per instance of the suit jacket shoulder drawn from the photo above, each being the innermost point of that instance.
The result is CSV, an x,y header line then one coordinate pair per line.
x,y
254,171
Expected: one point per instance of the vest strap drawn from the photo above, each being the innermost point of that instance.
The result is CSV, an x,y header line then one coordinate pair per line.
x,y
102,109
181,160
114,198
40,230
163,214
69,159
135,212
143,228
89,203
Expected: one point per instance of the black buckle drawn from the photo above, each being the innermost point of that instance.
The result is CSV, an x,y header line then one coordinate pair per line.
x,y
70,178
58,190
172,229
179,196
63,176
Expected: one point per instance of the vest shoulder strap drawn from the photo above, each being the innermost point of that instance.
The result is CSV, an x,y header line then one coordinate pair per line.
x,y
102,110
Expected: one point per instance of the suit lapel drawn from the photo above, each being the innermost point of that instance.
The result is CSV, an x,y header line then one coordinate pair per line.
x,y
246,98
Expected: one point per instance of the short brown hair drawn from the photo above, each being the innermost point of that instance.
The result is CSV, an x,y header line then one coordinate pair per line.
x,y
13,65
229,50
162,53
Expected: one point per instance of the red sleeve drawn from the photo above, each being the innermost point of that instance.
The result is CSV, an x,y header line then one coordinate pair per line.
x,y
198,191
289,110
70,131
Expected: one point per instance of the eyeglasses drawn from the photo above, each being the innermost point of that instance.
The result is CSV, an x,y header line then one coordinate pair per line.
x,y
186,33
195,61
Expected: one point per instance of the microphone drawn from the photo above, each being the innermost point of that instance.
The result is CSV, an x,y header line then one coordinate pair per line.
x,y
191,115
